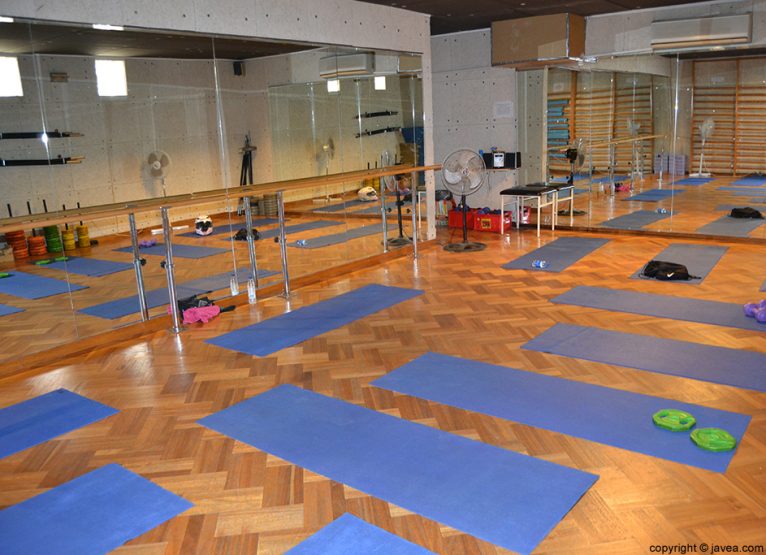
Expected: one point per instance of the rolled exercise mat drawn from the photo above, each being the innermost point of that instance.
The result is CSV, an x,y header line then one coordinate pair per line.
x,y
609,416
31,286
349,535
327,240
635,220
291,328
731,227
179,251
89,266
92,514
297,228
45,417
662,306
83,236
722,365
698,259
559,254
6,310
505,498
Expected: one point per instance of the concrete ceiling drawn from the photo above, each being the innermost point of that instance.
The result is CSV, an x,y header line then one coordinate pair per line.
x,y
23,38
448,16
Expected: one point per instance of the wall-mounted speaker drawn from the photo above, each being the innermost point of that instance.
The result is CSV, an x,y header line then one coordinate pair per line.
x,y
239,68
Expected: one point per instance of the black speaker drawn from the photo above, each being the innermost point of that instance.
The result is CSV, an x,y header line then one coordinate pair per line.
x,y
239,68
512,160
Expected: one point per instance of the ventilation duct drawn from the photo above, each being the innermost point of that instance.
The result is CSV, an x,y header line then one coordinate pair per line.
x,y
347,65
702,32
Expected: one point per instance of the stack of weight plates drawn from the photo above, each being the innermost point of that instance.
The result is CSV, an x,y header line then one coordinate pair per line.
x,y
18,242
68,238
37,246
52,238
83,239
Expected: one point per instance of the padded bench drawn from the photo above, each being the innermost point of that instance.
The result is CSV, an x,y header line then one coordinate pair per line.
x,y
542,195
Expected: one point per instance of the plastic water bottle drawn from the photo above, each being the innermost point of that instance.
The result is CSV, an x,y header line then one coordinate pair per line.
x,y
251,291
662,211
301,242
540,264
234,286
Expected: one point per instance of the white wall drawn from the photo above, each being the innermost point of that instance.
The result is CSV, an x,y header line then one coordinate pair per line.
x,y
465,90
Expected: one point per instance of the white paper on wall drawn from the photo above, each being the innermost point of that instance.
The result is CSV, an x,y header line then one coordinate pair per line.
x,y
503,109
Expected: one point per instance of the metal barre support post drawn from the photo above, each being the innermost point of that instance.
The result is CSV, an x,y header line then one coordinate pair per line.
x,y
283,243
413,201
250,240
137,267
167,231
383,218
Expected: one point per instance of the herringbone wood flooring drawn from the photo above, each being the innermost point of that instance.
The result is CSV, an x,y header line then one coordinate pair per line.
x,y
247,501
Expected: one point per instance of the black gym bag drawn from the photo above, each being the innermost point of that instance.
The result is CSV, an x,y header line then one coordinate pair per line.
x,y
746,212
242,235
667,271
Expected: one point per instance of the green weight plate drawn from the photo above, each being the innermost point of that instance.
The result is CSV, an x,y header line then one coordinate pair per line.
x,y
713,439
42,262
673,420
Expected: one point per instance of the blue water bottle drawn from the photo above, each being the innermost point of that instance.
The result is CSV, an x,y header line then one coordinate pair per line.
x,y
541,264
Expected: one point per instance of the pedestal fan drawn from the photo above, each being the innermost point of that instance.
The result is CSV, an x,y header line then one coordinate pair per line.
x,y
394,185
706,131
576,154
464,173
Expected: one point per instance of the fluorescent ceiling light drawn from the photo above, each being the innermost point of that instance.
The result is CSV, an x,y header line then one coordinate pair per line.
x,y
380,82
107,27
10,78
4,19
111,79
333,85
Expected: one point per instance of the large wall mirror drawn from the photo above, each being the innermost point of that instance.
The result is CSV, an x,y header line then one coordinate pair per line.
x,y
92,116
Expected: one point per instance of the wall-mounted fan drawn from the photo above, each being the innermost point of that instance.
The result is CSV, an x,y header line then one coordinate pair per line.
x,y
464,173
706,129
158,163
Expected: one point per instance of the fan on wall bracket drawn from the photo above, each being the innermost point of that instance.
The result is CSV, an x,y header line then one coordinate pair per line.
x,y
158,163
464,173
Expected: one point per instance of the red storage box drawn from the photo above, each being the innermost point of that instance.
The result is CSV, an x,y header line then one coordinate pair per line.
x,y
456,218
491,222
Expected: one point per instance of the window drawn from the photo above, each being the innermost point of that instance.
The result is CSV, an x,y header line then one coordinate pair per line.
x,y
380,82
333,85
110,75
10,78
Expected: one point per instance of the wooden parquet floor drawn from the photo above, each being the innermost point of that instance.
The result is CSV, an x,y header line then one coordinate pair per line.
x,y
246,501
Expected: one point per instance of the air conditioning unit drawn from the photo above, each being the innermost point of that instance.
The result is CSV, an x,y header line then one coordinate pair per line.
x,y
347,65
701,32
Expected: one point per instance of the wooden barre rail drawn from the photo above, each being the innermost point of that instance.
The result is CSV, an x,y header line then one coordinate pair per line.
x,y
124,208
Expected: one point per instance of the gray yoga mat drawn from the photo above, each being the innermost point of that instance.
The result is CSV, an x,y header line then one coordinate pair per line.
x,y
661,306
698,259
731,227
707,363
342,206
297,228
559,254
744,191
729,207
334,239
635,220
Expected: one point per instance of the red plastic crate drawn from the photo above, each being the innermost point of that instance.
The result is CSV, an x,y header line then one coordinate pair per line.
x,y
456,218
491,222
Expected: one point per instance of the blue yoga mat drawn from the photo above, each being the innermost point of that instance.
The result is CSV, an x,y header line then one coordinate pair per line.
x,y
297,228
342,206
606,179
707,363
90,266
223,280
744,191
731,227
661,306
31,286
751,181
5,310
129,305
635,220
334,239
179,251
698,259
291,328
349,535
503,497
596,413
655,195
695,181
90,515
225,229
559,254
43,418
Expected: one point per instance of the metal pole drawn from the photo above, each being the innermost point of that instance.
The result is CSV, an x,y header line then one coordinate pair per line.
x,y
383,213
413,202
167,230
283,242
138,269
250,240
